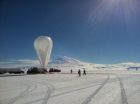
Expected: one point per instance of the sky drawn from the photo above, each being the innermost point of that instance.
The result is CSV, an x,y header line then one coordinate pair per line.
x,y
97,31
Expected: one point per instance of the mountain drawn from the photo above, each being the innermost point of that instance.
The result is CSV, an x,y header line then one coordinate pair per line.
x,y
64,60
66,63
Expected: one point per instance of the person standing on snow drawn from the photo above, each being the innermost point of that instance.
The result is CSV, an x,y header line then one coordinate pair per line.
x,y
84,72
71,71
79,73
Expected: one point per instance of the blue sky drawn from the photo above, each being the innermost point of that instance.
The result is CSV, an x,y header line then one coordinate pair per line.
x,y
99,31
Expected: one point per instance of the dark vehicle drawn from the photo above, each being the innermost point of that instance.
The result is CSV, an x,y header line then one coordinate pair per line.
x,y
35,70
16,72
11,71
54,70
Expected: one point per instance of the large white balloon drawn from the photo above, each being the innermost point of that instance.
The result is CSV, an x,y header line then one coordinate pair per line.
x,y
43,46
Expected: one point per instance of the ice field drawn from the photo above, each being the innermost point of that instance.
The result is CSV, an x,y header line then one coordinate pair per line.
x,y
96,88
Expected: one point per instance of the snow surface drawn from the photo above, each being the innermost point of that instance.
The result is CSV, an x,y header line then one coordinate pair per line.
x,y
98,87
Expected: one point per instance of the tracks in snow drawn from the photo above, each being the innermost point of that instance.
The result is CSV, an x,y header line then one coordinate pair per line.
x,y
22,94
51,88
95,92
123,94
29,89
71,91
48,93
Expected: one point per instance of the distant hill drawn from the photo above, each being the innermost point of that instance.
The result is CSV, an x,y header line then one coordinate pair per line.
x,y
64,63
64,60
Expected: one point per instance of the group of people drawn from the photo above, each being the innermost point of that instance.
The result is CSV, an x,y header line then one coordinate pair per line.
x,y
79,72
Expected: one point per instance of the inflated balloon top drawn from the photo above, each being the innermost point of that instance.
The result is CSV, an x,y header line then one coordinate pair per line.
x,y
43,46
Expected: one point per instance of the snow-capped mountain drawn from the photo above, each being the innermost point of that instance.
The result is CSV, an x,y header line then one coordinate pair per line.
x,y
66,63
64,60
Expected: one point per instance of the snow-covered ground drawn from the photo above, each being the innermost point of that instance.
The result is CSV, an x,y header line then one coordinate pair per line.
x,y
100,87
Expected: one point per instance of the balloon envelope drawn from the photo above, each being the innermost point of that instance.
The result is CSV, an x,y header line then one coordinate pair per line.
x,y
43,46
